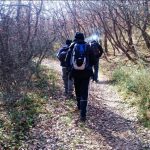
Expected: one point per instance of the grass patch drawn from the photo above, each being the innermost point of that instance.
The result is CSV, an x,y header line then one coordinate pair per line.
x,y
70,103
20,118
17,119
135,81
66,119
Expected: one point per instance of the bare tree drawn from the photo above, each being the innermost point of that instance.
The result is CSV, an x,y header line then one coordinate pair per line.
x,y
23,37
29,29
118,20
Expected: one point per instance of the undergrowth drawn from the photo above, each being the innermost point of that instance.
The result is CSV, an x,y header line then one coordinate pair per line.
x,y
17,119
134,82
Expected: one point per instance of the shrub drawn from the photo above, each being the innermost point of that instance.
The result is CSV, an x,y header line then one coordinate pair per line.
x,y
137,81
119,75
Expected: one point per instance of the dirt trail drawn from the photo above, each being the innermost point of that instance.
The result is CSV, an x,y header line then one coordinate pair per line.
x,y
111,123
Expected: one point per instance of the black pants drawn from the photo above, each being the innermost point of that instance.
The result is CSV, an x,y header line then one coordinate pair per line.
x,y
96,68
81,90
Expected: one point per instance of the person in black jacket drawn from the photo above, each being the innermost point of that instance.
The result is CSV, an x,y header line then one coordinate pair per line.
x,y
61,55
98,51
82,76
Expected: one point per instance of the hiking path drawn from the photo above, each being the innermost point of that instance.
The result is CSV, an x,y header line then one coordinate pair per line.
x,y
111,123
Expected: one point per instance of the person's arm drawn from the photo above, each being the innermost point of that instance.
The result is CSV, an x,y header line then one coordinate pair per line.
x,y
59,51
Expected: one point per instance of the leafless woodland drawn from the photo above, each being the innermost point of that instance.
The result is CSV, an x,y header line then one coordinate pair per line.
x,y
29,30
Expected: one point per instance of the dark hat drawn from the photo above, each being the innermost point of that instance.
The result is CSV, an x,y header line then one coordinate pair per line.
x,y
79,36
93,41
68,42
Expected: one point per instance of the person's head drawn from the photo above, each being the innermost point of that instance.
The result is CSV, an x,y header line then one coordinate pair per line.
x,y
79,36
93,41
68,42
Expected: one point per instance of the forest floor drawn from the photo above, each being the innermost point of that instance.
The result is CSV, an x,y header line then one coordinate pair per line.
x,y
111,123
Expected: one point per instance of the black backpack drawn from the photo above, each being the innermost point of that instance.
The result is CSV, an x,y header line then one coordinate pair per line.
x,y
80,59
96,48
62,55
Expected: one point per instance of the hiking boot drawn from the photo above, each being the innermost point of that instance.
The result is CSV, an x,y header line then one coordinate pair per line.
x,y
97,81
82,119
70,96
65,93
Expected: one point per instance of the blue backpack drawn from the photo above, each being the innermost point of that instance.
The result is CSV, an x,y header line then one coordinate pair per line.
x,y
80,58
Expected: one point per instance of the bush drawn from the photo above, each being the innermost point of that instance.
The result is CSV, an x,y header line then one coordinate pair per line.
x,y
136,81
120,75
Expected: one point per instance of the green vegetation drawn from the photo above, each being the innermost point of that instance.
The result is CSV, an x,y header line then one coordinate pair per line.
x,y
16,120
134,82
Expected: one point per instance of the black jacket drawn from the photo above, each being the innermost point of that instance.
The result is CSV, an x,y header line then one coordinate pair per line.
x,y
99,47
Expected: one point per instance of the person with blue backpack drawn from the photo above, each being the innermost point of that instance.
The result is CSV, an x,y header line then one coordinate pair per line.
x,y
61,55
80,60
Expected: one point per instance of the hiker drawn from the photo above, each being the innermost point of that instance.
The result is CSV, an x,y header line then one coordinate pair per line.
x,y
98,51
80,62
61,55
